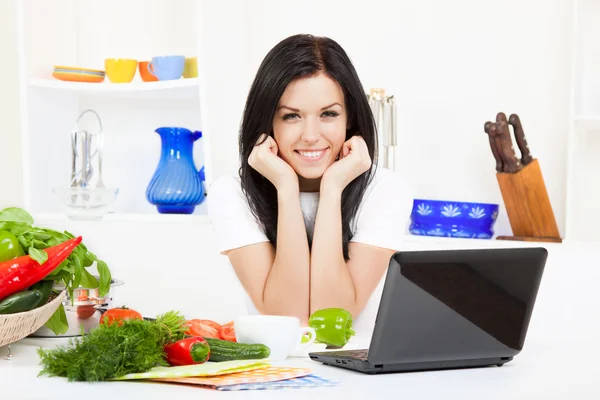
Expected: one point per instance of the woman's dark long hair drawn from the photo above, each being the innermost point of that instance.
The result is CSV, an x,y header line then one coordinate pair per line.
x,y
295,57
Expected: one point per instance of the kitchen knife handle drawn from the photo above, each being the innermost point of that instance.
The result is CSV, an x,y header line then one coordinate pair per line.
x,y
501,117
499,147
512,164
488,129
515,121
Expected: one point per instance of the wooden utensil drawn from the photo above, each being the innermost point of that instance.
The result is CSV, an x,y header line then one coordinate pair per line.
x,y
523,188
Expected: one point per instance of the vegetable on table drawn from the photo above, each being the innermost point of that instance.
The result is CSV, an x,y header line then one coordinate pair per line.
x,y
45,287
188,351
20,302
333,326
119,315
228,332
223,350
20,273
204,328
9,246
113,350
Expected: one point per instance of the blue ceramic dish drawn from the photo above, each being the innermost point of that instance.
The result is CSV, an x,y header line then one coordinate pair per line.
x,y
453,219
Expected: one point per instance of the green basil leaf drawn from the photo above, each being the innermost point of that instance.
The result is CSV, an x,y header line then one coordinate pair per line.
x,y
38,255
77,275
58,321
88,280
16,228
14,214
41,236
105,277
23,241
38,244
53,242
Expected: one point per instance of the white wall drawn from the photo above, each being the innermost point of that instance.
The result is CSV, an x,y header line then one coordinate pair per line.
x,y
451,66
11,189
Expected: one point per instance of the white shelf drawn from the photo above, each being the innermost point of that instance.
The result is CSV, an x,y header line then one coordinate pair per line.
x,y
108,87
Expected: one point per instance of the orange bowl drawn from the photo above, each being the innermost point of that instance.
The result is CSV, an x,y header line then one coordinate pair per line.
x,y
146,76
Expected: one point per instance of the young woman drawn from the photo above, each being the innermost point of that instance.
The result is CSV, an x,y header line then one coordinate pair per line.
x,y
310,222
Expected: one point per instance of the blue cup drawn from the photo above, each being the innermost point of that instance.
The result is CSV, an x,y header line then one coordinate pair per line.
x,y
167,68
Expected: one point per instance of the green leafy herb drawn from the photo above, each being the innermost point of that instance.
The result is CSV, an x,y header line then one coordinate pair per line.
x,y
88,280
105,276
114,350
14,214
58,321
38,255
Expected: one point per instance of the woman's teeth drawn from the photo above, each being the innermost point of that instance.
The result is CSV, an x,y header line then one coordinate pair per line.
x,y
311,154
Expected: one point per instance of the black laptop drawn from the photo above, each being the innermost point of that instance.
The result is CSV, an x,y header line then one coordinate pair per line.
x,y
444,309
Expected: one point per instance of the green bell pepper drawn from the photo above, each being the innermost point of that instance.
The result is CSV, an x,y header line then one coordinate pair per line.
x,y
333,326
9,246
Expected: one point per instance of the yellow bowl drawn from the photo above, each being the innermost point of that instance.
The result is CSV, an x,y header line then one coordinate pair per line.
x,y
120,70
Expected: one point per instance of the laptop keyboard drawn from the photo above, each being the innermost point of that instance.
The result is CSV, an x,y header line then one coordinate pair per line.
x,y
354,354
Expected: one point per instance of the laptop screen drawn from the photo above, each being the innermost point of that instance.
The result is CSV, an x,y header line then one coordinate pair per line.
x,y
457,303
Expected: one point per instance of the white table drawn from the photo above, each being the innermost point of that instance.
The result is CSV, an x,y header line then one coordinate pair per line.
x,y
560,359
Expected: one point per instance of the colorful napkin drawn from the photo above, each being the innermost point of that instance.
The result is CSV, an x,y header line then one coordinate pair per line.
x,y
260,375
206,369
308,381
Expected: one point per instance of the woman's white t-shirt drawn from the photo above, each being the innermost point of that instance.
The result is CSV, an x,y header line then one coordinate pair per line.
x,y
381,221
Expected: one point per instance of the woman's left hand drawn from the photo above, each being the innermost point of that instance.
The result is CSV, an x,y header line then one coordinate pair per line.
x,y
353,161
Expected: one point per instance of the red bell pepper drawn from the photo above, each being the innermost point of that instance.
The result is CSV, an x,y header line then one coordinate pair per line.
x,y
192,350
21,272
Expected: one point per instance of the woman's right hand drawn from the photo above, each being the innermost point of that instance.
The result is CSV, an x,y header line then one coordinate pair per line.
x,y
265,160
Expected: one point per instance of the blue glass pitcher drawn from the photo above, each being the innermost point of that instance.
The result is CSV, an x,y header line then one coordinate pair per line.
x,y
176,186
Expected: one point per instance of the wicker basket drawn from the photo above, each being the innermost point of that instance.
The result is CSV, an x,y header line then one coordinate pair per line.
x,y
15,327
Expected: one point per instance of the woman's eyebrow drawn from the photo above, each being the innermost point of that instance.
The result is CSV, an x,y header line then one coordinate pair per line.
x,y
289,108
297,110
331,105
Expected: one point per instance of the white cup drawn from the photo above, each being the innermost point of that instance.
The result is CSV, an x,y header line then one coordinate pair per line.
x,y
282,335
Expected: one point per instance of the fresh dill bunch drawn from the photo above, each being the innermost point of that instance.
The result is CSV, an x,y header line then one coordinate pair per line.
x,y
114,350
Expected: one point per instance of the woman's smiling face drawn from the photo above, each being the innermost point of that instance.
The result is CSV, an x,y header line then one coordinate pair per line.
x,y
310,127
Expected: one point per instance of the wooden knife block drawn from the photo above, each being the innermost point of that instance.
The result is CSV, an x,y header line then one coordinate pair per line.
x,y
528,205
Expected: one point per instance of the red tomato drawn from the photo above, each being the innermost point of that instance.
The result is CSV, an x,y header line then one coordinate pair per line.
x,y
85,312
204,328
227,332
119,315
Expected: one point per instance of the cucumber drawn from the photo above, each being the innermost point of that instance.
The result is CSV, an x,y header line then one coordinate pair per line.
x,y
223,350
45,287
20,302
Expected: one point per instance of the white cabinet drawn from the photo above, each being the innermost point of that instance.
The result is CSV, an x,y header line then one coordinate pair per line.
x,y
83,33
583,169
